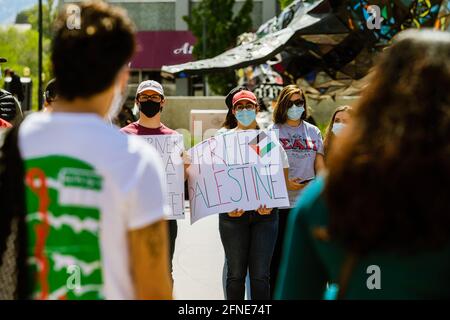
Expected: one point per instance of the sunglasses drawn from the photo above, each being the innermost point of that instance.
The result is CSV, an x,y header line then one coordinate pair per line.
x,y
153,97
242,107
299,102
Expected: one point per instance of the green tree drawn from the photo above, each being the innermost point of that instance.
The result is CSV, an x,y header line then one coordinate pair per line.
x,y
49,12
222,28
21,50
22,17
285,3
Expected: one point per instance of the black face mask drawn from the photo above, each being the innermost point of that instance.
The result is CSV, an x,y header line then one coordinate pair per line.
x,y
150,108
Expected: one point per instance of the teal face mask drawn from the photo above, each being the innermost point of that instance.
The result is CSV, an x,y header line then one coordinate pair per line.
x,y
295,112
246,117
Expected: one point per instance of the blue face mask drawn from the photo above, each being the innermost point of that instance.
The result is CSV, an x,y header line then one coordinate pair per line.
x,y
246,117
337,128
295,112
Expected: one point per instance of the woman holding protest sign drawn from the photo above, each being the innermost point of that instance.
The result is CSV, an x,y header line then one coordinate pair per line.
x,y
248,237
231,123
303,144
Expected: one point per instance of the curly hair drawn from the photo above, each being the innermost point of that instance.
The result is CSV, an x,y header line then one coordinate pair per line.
x,y
86,60
284,103
389,173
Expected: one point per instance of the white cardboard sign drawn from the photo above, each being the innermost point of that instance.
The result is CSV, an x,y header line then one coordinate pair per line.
x,y
236,170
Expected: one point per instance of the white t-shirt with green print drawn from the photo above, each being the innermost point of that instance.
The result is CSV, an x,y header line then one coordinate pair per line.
x,y
87,186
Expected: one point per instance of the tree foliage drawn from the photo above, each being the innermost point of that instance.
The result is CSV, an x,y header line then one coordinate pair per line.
x,y
221,28
20,48
285,3
31,16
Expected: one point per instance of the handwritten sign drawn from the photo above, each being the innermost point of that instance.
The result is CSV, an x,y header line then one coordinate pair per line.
x,y
236,170
170,147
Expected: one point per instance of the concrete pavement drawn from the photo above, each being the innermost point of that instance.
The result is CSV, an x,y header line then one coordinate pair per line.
x,y
198,260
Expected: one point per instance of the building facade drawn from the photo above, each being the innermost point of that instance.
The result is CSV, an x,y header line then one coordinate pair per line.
x,y
164,38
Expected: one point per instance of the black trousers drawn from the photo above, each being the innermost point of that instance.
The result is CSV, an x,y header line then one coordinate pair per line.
x,y
173,232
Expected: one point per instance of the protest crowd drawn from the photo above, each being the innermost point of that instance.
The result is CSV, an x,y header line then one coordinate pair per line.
x,y
300,216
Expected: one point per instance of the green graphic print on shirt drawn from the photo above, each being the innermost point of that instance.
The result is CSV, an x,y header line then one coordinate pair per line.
x,y
63,228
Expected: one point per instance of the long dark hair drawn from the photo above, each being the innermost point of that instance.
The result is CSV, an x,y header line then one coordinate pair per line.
x,y
284,103
389,173
13,241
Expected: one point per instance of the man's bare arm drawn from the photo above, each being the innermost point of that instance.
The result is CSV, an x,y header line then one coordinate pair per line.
x,y
149,259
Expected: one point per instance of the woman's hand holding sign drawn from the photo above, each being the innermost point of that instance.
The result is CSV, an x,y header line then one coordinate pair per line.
x,y
236,213
263,210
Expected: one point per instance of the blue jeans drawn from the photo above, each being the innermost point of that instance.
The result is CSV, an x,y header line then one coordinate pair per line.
x,y
247,282
249,242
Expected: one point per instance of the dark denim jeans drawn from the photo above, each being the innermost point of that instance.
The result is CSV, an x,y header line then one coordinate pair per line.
x,y
248,242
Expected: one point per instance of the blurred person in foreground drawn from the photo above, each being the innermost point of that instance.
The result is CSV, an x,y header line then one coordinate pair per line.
x,y
95,198
378,224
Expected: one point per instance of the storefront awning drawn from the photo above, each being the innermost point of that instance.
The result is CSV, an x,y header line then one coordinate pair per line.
x,y
158,48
